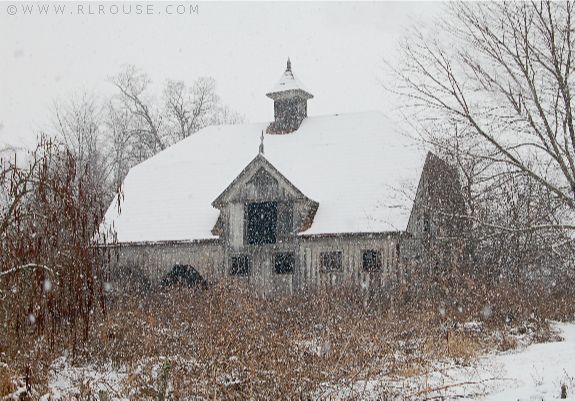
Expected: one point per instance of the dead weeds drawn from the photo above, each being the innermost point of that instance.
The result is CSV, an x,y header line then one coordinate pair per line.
x,y
231,343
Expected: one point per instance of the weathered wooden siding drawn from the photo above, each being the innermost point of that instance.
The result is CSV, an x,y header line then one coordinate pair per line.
x,y
236,225
211,259
262,275
154,261
312,276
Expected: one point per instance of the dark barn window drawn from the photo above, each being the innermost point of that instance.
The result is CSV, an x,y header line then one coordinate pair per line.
x,y
331,261
261,223
371,260
284,263
240,265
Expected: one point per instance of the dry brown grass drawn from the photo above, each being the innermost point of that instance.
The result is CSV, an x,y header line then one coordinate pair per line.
x,y
230,343
464,346
244,346
7,385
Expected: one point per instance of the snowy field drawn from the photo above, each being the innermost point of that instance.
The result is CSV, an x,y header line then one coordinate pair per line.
x,y
534,372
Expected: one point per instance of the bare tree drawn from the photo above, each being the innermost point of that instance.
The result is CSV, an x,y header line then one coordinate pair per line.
x,y
189,109
492,89
79,126
120,138
145,121
140,127
50,272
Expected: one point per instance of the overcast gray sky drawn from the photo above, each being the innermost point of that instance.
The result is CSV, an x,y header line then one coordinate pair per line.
x,y
336,50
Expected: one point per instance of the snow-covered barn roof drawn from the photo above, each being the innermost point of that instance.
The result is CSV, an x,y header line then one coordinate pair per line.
x,y
360,170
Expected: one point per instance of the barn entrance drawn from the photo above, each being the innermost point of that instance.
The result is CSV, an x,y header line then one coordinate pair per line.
x,y
261,223
185,275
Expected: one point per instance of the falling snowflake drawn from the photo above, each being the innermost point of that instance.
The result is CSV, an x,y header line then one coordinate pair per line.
x,y
486,312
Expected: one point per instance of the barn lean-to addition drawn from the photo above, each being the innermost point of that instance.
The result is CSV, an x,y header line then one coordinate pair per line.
x,y
298,203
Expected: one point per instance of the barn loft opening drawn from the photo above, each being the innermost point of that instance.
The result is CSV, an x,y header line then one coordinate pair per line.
x,y
261,223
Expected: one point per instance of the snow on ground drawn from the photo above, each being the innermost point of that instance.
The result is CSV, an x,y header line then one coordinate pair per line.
x,y
72,381
536,372
148,379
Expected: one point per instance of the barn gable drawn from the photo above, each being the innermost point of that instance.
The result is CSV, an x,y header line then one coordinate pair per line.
x,y
259,181
261,185
437,218
439,203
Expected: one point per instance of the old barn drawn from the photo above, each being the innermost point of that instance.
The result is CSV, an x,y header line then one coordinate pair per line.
x,y
300,202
